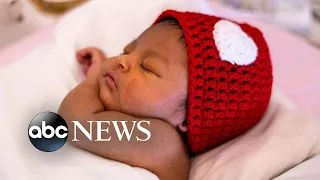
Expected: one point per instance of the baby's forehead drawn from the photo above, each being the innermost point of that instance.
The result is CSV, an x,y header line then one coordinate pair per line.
x,y
162,31
164,38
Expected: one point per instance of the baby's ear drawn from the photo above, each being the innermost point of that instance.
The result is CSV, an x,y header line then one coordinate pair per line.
x,y
183,127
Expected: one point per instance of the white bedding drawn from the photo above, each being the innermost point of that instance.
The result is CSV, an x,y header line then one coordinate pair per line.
x,y
282,140
40,80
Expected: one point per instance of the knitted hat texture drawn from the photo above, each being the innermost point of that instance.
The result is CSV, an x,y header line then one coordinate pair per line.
x,y
230,77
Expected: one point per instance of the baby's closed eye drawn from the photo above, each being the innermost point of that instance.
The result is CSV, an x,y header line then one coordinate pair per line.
x,y
146,66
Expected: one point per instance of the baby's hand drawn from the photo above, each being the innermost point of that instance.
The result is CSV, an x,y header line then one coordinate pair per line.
x,y
90,60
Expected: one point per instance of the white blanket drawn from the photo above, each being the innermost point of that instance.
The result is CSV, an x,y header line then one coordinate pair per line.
x,y
40,80
283,139
35,84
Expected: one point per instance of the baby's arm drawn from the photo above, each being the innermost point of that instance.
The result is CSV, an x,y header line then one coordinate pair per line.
x,y
164,153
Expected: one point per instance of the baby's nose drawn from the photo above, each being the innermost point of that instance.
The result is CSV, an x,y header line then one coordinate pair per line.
x,y
116,63
123,63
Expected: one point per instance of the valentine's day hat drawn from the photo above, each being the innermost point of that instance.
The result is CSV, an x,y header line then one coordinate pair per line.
x,y
230,77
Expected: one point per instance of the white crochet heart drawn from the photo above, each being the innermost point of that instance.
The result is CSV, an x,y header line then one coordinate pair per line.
x,y
233,44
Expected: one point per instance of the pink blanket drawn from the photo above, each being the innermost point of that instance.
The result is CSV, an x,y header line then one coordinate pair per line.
x,y
21,48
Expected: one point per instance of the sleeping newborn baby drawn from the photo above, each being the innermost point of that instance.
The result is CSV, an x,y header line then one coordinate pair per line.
x,y
200,80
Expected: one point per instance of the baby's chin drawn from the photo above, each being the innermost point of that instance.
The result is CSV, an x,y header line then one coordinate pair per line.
x,y
107,100
108,104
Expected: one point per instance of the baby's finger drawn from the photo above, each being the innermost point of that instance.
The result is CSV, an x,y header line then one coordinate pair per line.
x,y
82,60
85,52
82,52
79,55
84,57
85,69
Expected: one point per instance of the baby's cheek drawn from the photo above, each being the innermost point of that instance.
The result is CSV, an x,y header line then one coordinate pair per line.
x,y
139,97
132,94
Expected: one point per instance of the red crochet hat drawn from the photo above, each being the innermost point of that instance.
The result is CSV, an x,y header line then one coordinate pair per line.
x,y
230,77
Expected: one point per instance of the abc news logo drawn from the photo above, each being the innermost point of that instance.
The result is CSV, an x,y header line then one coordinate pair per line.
x,y
48,131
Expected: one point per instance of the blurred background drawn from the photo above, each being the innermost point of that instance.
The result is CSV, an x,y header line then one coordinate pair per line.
x,y
20,18
301,17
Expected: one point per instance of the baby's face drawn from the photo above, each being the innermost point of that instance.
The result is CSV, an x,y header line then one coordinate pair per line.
x,y
150,78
